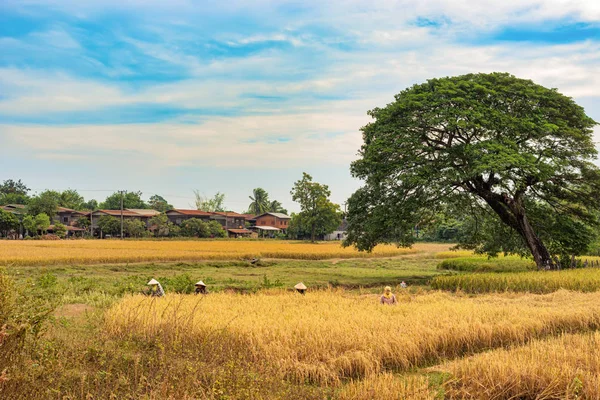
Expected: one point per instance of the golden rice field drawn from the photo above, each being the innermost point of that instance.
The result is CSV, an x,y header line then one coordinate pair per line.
x,y
566,367
583,280
115,251
328,337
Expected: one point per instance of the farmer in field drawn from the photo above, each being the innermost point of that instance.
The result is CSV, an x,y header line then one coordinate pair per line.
x,y
388,297
200,288
156,289
403,285
300,288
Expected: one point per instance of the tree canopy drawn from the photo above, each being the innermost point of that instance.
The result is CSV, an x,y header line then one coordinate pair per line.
x,y
130,200
210,204
260,202
512,154
46,202
159,203
13,192
318,214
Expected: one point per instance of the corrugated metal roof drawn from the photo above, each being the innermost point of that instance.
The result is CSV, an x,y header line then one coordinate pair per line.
x,y
266,228
229,214
278,215
117,213
190,212
144,211
69,210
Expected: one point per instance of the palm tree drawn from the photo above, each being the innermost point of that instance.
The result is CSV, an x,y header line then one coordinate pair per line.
x,y
277,207
260,202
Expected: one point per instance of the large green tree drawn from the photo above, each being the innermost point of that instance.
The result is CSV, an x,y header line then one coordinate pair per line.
x,y
505,149
130,200
318,214
46,202
8,222
70,198
109,225
13,192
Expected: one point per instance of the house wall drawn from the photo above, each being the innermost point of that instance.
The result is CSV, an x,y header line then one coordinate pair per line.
x,y
270,220
66,218
178,219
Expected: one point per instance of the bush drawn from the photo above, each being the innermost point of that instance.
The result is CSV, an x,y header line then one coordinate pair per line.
x,y
178,284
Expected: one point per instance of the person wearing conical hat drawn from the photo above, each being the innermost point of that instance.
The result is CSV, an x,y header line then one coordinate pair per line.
x,y
200,288
156,289
388,297
300,288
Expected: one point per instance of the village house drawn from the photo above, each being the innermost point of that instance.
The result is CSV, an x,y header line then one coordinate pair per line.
x,y
340,233
274,220
270,223
177,216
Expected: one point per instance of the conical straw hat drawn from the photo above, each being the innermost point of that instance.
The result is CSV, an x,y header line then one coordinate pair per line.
x,y
152,282
300,286
199,283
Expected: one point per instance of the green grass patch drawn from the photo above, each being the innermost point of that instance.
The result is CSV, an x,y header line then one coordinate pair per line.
x,y
485,264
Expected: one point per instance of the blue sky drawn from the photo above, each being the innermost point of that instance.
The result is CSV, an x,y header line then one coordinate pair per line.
x,y
172,97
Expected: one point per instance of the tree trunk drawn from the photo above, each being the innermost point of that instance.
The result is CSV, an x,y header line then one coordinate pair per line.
x,y
512,213
312,233
540,253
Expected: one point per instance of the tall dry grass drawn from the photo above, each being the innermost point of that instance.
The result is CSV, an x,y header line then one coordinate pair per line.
x,y
567,367
115,251
388,386
326,337
583,280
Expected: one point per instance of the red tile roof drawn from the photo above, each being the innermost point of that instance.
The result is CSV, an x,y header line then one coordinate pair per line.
x,y
248,216
198,213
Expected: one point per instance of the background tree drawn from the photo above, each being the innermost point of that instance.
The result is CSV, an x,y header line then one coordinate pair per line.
x,y
195,227
60,230
109,225
70,198
130,200
159,203
161,225
216,230
8,222
210,204
260,202
29,225
492,144
42,222
83,223
90,205
318,213
13,192
277,207
133,228
46,202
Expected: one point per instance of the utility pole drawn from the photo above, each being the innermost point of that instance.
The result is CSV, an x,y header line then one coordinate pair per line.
x,y
122,192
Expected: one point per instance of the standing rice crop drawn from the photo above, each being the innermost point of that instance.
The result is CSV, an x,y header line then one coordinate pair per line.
x,y
567,367
327,337
582,280
130,251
